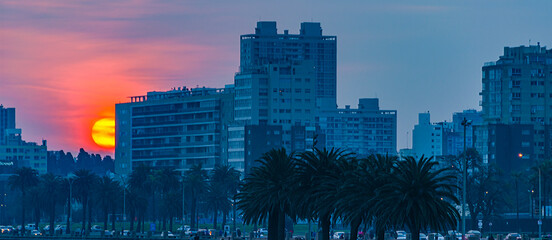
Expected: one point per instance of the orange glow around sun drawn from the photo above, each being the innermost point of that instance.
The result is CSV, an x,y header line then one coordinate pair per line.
x,y
103,132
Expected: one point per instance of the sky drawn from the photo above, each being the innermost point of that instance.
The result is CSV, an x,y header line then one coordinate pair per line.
x,y
65,64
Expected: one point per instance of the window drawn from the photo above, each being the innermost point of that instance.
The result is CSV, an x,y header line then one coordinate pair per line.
x,y
307,90
515,72
517,96
516,84
298,90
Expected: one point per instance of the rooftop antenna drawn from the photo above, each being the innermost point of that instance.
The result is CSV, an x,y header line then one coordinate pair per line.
x,y
406,139
529,42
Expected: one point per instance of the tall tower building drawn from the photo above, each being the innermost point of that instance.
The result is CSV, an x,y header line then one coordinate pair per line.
x,y
517,95
7,121
266,46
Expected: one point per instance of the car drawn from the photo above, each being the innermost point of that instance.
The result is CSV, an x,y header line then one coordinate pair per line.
x,y
473,233
46,228
212,232
513,236
263,232
183,227
125,233
339,235
36,233
167,234
30,226
401,235
108,233
438,236
60,228
96,228
423,236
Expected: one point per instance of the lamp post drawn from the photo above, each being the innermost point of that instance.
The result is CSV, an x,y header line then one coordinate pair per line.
x,y
465,123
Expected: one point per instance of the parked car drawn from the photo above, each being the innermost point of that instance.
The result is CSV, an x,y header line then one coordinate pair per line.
x,y
339,235
36,233
263,232
423,236
401,235
96,228
513,236
167,234
473,233
186,228
30,226
60,229
46,228
108,233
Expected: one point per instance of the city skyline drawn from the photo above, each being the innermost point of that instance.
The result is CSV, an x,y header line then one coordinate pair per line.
x,y
64,66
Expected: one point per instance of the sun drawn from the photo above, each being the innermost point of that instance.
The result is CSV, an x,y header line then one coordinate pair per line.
x,y
103,132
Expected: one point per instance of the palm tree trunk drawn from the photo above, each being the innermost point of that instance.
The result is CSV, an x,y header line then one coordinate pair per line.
x,y
113,218
37,217
89,219
281,225
273,224
164,222
325,220
380,229
132,215
23,211
355,224
68,229
224,216
193,214
106,213
52,217
84,206
171,223
215,218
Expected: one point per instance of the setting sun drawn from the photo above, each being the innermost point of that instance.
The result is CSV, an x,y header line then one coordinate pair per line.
x,y
103,132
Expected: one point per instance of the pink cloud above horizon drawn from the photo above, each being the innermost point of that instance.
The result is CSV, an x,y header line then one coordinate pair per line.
x,y
62,80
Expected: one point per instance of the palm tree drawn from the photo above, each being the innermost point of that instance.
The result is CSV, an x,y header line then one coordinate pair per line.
x,y
23,179
419,196
517,177
167,181
140,185
195,181
224,185
106,191
358,193
50,188
267,191
315,197
84,182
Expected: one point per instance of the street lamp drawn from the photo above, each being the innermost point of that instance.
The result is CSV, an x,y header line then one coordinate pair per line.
x,y
465,123
540,205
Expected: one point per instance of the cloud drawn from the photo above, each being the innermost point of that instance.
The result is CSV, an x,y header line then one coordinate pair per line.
x,y
62,79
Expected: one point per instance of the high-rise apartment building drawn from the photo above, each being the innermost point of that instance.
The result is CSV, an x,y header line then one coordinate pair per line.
x,y
517,91
364,131
18,153
267,46
178,128
7,121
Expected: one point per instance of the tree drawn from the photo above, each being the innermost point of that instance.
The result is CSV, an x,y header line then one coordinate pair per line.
x,y
140,185
50,187
358,196
106,191
84,182
195,181
267,191
315,170
167,182
224,185
23,179
419,196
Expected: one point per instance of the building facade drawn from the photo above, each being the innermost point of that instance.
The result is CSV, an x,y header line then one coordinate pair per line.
x,y
178,128
517,90
267,46
364,131
7,121
17,153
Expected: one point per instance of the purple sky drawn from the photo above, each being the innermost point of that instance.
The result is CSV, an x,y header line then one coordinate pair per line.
x,y
64,64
